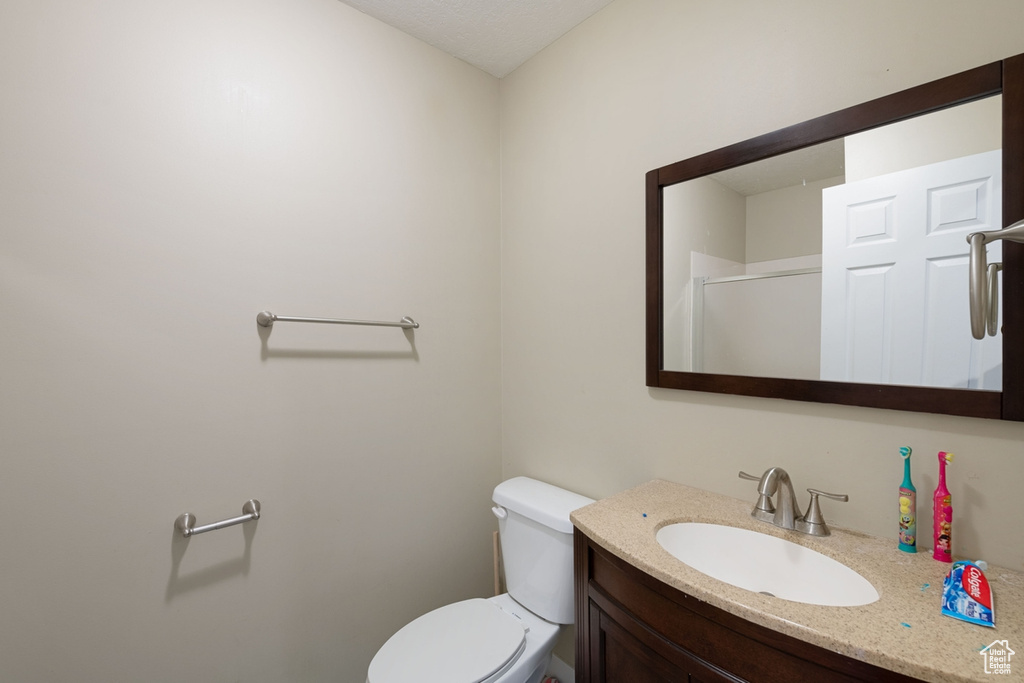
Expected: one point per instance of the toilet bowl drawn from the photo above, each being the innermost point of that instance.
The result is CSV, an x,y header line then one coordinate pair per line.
x,y
507,638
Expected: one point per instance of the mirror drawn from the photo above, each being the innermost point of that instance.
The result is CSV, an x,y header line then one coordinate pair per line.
x,y
744,264
828,261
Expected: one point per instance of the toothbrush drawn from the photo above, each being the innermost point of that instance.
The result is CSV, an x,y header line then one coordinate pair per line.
x,y
908,507
942,514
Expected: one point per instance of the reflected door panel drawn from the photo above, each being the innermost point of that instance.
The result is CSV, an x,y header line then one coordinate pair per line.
x,y
894,260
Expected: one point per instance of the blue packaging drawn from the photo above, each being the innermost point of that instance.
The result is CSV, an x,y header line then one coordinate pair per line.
x,y
966,595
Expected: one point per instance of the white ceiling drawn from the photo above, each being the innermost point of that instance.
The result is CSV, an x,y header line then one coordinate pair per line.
x,y
493,35
822,161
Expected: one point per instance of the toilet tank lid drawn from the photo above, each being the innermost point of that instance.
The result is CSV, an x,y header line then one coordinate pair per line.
x,y
549,505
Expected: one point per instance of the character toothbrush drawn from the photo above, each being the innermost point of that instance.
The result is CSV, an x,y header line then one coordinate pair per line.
x,y
908,507
942,514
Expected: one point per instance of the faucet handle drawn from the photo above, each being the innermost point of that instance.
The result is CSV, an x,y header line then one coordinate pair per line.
x,y
834,496
764,503
813,522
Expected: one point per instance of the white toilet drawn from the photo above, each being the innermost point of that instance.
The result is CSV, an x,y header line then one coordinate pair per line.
x,y
507,638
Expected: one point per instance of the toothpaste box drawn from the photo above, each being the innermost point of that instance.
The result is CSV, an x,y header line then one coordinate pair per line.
x,y
966,595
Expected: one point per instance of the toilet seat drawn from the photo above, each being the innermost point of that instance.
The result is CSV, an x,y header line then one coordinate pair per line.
x,y
472,641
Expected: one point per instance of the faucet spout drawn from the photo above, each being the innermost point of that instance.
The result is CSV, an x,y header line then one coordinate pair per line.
x,y
784,513
776,480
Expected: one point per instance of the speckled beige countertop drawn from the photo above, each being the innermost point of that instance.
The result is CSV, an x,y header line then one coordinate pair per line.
x,y
903,631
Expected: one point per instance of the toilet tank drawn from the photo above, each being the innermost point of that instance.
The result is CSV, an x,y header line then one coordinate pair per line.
x,y
536,545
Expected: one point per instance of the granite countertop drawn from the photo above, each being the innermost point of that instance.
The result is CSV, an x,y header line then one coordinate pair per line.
x,y
903,631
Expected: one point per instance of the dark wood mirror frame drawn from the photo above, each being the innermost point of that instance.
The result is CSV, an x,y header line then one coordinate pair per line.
x,y
1005,77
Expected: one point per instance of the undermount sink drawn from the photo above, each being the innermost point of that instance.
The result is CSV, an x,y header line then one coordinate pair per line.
x,y
766,564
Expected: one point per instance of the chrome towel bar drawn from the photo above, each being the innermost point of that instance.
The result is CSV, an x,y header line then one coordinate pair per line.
x,y
267,319
984,308
186,523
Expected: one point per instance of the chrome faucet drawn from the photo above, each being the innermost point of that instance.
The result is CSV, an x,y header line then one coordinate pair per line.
x,y
784,512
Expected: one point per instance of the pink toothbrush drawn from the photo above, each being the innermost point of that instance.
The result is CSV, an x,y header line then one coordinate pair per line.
x,y
942,515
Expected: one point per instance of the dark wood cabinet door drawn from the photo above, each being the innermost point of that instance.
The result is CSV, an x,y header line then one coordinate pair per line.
x,y
632,628
619,656
624,650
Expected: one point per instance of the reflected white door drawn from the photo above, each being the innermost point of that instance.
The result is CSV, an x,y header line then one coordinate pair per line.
x,y
894,304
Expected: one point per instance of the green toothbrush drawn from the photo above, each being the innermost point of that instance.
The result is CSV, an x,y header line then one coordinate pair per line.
x,y
908,507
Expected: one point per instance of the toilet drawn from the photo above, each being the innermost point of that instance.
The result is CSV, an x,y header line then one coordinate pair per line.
x,y
507,638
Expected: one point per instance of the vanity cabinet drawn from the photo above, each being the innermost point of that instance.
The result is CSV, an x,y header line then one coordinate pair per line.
x,y
633,628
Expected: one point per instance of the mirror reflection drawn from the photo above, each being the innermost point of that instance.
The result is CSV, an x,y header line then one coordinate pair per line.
x,y
846,261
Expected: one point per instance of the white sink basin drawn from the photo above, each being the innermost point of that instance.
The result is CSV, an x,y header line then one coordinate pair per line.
x,y
766,564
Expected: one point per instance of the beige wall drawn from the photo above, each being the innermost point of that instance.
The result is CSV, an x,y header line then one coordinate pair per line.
x,y
970,128
786,222
648,82
689,208
168,170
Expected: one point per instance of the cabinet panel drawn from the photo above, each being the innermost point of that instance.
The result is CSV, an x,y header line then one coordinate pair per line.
x,y
623,658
